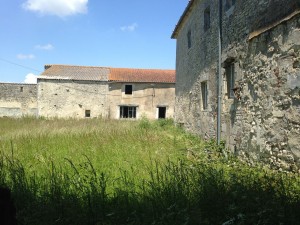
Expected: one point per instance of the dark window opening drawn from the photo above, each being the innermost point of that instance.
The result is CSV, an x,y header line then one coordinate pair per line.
x,y
204,94
189,38
21,89
229,4
230,79
162,112
128,89
87,113
207,19
128,111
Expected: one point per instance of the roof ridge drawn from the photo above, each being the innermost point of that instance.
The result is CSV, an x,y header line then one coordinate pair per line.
x,y
109,67
68,65
140,68
182,17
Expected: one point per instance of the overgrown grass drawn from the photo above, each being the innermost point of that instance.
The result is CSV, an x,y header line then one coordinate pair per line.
x,y
134,172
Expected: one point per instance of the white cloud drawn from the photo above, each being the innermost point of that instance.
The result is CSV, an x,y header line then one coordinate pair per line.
x,y
46,47
61,8
130,28
23,56
30,78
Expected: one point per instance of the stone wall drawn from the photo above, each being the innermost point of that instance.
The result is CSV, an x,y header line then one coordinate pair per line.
x,y
147,97
195,65
17,100
67,98
261,123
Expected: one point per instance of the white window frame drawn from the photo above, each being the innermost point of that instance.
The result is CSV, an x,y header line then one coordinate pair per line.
x,y
131,112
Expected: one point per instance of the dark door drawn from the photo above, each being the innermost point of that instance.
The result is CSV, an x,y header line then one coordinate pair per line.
x,y
162,112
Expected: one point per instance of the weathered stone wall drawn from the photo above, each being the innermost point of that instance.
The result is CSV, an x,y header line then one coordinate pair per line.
x,y
147,97
195,65
65,98
17,100
262,122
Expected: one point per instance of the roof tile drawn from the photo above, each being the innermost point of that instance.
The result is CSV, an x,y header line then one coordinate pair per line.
x,y
75,72
67,72
142,75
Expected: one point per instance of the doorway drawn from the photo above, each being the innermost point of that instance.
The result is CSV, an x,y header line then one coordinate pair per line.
x,y
162,112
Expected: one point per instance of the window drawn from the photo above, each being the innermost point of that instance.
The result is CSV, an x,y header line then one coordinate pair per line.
x,y
162,112
204,94
230,79
189,38
229,4
207,18
21,89
87,113
128,89
128,111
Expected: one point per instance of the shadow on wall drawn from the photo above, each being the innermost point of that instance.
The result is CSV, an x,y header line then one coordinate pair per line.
x,y
276,10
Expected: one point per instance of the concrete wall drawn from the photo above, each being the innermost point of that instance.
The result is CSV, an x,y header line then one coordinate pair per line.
x,y
65,98
262,122
17,100
146,97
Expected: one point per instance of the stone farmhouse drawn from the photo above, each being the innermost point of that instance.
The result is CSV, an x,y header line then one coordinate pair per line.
x,y
250,51
78,91
64,91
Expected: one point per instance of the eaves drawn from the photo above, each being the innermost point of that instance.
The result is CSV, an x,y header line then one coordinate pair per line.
x,y
271,26
183,17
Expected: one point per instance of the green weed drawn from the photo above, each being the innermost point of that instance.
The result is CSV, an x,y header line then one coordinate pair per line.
x,y
134,172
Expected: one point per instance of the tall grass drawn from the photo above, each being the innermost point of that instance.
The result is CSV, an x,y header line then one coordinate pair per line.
x,y
124,172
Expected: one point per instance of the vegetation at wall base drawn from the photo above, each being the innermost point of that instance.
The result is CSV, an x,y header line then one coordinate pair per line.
x,y
104,172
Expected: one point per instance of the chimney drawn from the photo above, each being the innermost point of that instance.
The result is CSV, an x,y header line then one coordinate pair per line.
x,y
47,67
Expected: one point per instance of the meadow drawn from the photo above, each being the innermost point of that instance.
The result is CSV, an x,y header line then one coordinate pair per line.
x,y
105,172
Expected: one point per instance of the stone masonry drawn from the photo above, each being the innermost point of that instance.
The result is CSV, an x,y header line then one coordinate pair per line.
x,y
18,100
66,91
261,43
64,98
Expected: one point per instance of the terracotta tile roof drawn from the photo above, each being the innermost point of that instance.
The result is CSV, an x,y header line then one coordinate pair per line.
x,y
182,18
67,72
142,75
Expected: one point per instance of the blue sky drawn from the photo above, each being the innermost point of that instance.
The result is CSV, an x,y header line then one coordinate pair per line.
x,y
114,33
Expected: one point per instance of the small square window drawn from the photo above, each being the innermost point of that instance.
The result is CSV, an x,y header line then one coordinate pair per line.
x,y
204,93
207,18
128,89
230,79
87,113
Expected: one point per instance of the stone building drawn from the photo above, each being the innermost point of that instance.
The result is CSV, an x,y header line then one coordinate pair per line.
x,y
18,100
84,91
260,76
145,92
73,91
